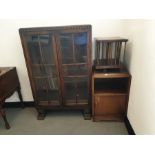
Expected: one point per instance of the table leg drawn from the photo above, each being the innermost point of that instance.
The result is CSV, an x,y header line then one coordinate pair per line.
x,y
20,97
2,112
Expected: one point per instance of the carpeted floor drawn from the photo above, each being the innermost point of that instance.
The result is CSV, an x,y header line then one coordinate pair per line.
x,y
24,122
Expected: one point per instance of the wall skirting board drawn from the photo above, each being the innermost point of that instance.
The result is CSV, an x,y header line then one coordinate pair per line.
x,y
32,104
129,126
18,104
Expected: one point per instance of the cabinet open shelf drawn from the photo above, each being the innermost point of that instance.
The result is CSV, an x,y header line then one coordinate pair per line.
x,y
111,85
110,92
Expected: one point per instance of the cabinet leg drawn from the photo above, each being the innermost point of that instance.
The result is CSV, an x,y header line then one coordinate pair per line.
x,y
20,97
41,114
2,113
87,114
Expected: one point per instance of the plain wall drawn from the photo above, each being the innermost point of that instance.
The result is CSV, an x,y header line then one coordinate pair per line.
x,y
140,60
11,52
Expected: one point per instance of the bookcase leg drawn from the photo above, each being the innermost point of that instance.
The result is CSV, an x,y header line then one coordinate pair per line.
x,y
41,114
87,114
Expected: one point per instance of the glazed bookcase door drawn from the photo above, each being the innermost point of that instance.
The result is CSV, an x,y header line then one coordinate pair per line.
x,y
43,68
74,67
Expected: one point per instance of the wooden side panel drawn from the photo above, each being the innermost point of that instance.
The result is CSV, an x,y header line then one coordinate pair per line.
x,y
8,83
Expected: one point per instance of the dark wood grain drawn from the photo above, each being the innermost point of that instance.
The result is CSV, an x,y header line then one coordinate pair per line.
x,y
62,66
9,83
114,50
110,94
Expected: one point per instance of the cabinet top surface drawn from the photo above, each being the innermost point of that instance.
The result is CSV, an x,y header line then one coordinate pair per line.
x,y
122,74
55,28
110,39
4,70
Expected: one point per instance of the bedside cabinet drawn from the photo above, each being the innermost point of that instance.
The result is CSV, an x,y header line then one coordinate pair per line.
x,y
110,93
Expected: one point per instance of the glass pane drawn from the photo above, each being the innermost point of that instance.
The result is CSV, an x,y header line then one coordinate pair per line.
x,y
40,49
47,89
66,46
44,70
80,45
41,54
72,70
47,49
73,47
79,89
33,49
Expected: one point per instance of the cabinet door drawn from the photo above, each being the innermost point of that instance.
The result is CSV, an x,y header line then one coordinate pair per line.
x,y
75,91
42,62
110,105
73,55
73,47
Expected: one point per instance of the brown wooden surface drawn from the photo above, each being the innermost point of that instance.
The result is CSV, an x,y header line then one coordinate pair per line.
x,y
9,83
108,39
109,104
61,75
109,52
110,98
70,28
109,117
111,75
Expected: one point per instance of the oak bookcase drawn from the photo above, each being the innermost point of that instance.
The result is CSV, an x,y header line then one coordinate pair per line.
x,y
59,65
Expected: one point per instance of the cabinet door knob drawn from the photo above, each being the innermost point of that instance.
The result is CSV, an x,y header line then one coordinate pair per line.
x,y
97,100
